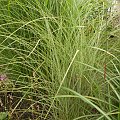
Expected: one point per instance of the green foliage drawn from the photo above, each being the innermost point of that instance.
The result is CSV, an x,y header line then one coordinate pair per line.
x,y
3,115
60,60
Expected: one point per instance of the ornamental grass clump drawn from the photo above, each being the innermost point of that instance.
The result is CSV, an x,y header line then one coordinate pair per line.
x,y
60,60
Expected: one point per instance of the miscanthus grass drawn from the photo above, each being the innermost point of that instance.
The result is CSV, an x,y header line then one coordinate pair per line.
x,y
59,60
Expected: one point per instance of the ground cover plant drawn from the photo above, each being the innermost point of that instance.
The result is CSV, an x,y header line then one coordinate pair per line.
x,y
59,60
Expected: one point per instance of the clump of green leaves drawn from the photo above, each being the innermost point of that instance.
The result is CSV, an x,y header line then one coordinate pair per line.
x,y
46,78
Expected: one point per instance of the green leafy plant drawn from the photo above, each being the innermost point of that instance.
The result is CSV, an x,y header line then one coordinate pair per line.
x,y
3,115
61,59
